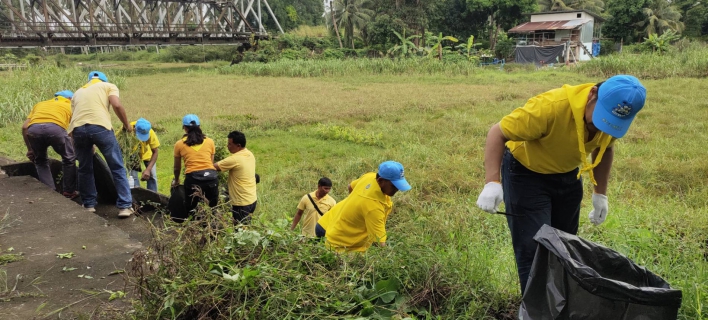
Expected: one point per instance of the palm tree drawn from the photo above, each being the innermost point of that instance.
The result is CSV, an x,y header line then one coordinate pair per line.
x,y
661,16
552,5
595,6
352,14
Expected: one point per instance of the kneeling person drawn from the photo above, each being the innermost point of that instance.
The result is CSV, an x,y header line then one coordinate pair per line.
x,y
360,220
312,206
241,165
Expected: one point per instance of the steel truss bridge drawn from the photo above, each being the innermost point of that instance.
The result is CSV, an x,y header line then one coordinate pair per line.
x,y
67,23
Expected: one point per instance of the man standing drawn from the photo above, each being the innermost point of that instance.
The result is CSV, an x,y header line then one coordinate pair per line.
x,y
241,165
541,150
91,125
148,144
312,206
46,126
360,220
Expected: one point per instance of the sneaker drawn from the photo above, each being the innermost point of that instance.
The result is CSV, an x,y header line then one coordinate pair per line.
x,y
90,209
124,213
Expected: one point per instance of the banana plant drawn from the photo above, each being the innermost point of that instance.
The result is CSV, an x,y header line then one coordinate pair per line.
x,y
439,47
470,45
406,45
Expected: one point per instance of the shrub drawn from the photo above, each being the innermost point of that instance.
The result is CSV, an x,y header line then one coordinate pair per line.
x,y
292,54
607,47
332,54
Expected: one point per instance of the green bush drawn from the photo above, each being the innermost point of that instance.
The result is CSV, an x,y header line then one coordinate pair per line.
x,y
332,54
607,47
292,54
505,47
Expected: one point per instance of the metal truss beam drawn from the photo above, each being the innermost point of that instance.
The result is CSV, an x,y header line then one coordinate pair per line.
x,y
58,23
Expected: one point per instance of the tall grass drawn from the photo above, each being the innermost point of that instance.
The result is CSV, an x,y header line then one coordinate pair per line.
x,y
689,62
310,31
351,67
21,90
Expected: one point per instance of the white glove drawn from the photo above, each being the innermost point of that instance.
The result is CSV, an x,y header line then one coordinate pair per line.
x,y
490,198
600,207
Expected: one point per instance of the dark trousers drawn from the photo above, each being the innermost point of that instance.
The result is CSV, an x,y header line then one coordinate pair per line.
x,y
209,189
319,231
44,135
538,199
242,214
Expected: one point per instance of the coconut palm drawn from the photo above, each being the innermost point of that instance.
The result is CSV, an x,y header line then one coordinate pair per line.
x,y
660,17
552,5
352,14
595,6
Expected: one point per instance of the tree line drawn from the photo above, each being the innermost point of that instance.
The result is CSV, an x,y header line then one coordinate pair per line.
x,y
369,23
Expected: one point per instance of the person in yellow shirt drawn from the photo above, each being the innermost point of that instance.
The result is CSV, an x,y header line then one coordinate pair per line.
x,y
312,206
91,126
148,144
197,151
46,126
540,151
360,220
241,165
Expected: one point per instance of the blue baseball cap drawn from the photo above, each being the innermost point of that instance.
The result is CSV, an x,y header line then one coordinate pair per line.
x,y
142,129
65,93
188,119
97,74
619,99
393,171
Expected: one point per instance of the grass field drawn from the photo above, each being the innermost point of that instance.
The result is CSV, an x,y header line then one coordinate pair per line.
x,y
451,259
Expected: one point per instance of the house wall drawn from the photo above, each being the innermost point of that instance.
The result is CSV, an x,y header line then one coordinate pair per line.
x,y
560,34
560,16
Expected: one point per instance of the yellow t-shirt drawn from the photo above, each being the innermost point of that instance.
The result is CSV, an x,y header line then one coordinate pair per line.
x,y
242,177
197,157
90,104
147,146
544,133
57,111
310,216
359,220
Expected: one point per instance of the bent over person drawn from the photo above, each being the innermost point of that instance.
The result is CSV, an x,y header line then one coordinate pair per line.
x,y
46,126
241,165
360,220
91,125
148,146
540,151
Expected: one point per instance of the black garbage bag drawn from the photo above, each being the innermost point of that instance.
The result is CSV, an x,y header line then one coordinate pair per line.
x,y
105,187
572,278
178,212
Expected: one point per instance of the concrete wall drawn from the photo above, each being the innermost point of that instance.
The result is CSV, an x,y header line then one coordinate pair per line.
x,y
560,16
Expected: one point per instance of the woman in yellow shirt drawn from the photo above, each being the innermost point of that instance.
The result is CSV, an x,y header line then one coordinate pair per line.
x,y
197,151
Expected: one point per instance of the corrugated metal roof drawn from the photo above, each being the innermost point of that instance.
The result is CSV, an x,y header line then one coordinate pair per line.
x,y
549,25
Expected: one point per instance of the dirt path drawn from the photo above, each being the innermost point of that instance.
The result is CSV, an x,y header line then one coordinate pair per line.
x,y
40,224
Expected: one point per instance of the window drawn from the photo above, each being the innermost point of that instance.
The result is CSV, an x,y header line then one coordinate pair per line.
x,y
580,15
